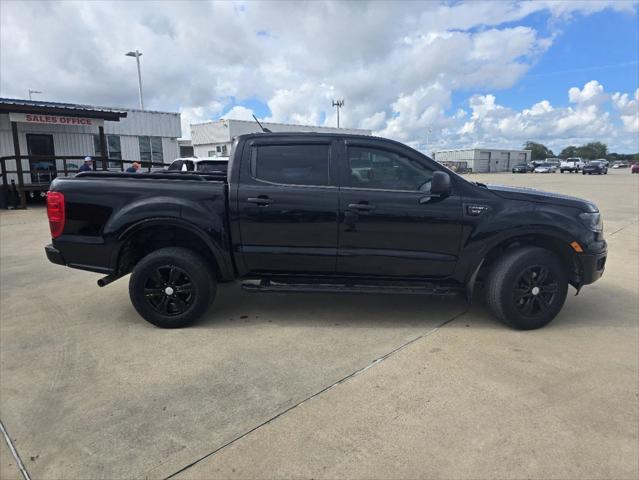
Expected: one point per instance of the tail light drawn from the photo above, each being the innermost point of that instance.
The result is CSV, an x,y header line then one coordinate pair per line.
x,y
55,212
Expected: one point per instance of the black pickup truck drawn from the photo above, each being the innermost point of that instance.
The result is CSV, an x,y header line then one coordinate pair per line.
x,y
309,212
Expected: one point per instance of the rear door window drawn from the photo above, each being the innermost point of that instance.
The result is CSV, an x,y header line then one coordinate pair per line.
x,y
299,164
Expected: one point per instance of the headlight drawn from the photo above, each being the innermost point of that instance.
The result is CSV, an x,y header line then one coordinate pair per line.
x,y
592,221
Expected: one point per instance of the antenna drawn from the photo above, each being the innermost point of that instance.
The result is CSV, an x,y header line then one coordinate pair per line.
x,y
265,130
338,104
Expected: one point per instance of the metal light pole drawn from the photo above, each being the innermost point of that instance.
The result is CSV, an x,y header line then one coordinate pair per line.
x,y
428,132
31,92
338,104
137,56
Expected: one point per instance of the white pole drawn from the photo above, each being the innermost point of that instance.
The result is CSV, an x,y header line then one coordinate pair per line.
x,y
137,59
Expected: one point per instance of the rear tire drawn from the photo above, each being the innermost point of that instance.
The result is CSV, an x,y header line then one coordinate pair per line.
x,y
526,288
172,287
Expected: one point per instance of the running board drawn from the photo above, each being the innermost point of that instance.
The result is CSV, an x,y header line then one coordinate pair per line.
x,y
267,286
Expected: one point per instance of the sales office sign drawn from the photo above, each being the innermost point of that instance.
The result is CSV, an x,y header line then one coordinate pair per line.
x,y
55,120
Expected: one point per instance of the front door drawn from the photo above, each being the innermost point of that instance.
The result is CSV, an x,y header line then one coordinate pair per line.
x,y
390,225
288,206
43,170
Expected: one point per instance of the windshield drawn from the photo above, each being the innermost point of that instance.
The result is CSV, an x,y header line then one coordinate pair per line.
x,y
545,165
212,166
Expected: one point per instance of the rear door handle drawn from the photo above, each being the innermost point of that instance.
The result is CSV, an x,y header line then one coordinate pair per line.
x,y
361,207
261,201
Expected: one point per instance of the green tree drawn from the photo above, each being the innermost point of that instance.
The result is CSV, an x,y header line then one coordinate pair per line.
x,y
568,152
538,150
592,150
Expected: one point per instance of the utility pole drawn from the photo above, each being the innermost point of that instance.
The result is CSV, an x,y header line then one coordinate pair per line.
x,y
31,92
428,132
137,56
338,104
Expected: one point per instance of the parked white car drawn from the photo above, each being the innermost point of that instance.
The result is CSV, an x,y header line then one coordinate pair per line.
x,y
572,165
204,164
545,168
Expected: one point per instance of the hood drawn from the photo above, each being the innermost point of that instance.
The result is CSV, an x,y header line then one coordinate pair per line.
x,y
533,195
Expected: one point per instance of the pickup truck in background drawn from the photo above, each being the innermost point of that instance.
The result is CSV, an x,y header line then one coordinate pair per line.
x,y
309,212
572,165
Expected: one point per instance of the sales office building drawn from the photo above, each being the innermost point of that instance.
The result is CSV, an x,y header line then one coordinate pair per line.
x,y
69,132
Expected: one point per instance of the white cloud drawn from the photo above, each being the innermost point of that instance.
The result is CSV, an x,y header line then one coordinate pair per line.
x,y
589,119
239,113
628,111
591,94
396,64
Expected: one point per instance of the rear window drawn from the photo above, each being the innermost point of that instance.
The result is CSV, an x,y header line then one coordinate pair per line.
x,y
291,164
212,166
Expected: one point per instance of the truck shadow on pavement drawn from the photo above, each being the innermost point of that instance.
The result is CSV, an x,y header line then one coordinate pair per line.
x,y
233,306
594,306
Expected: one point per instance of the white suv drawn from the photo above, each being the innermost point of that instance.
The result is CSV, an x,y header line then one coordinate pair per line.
x,y
572,165
203,165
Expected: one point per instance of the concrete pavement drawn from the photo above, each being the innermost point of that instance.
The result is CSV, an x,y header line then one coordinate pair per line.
x,y
89,390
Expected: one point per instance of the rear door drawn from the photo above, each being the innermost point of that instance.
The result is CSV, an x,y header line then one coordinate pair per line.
x,y
288,206
390,225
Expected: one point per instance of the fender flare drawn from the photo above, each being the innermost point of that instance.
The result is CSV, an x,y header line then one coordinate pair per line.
x,y
221,257
478,261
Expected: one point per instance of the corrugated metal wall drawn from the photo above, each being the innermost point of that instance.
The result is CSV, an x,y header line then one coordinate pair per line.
x,y
156,124
223,131
484,160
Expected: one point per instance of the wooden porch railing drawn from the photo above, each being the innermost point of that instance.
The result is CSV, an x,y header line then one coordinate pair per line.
x,y
40,177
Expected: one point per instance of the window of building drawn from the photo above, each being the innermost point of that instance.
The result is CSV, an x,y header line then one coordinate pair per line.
x,y
114,149
379,169
291,164
151,149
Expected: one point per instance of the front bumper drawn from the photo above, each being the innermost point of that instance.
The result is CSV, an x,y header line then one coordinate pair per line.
x,y
592,266
54,255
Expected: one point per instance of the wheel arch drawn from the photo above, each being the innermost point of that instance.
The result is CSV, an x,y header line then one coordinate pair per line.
x,y
557,242
149,235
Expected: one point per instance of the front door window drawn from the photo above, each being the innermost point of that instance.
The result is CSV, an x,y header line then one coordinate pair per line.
x,y
377,169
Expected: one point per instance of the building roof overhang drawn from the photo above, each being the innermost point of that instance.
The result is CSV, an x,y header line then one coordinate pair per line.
x,y
16,105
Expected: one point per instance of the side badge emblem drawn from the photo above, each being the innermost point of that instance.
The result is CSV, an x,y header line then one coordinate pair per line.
x,y
476,210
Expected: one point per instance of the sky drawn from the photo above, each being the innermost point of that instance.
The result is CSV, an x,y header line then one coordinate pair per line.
x,y
434,75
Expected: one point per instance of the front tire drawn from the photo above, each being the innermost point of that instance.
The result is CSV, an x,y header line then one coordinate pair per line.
x,y
527,288
172,287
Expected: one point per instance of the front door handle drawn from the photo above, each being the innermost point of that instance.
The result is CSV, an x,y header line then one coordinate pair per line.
x,y
261,201
361,207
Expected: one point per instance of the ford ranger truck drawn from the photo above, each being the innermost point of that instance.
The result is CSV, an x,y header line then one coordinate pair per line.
x,y
311,212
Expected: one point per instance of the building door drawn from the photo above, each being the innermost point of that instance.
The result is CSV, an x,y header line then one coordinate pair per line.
x,y
42,169
484,162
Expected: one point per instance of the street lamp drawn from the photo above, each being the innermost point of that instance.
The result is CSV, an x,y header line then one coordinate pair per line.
x,y
338,104
137,56
31,92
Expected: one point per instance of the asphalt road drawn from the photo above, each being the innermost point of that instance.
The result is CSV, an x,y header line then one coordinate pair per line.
x,y
320,386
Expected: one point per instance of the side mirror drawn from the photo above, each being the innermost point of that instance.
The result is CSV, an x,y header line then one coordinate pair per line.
x,y
440,184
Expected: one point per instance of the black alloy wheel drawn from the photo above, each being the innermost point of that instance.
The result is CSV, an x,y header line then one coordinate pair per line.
x,y
172,287
169,290
527,287
534,291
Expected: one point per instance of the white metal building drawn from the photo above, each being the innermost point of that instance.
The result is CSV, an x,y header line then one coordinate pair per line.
x,y
482,160
214,138
134,135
